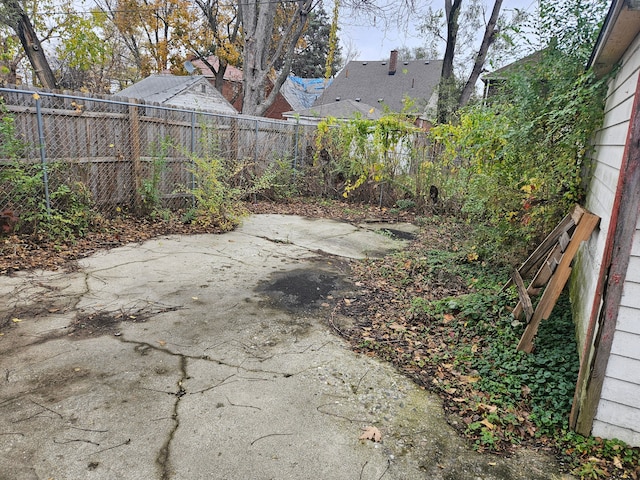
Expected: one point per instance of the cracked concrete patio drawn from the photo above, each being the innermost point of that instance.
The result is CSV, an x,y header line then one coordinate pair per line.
x,y
209,357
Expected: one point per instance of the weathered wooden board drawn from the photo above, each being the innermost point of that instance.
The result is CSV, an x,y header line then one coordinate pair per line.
x,y
568,222
588,222
525,301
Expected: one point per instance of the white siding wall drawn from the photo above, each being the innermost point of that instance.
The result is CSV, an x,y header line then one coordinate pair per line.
x,y
618,413
203,96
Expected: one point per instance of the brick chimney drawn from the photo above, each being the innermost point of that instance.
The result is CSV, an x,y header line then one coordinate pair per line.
x,y
393,61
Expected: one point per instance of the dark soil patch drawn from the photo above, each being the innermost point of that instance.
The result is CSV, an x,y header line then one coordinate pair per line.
x,y
399,234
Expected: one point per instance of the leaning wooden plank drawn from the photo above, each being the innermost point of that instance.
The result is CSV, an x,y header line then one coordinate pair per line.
x,y
541,277
550,296
569,221
525,301
547,269
583,232
564,240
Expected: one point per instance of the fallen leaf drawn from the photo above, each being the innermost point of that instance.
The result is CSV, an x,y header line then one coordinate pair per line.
x,y
194,298
396,326
488,424
448,317
162,343
371,433
347,301
16,320
469,378
617,463
487,408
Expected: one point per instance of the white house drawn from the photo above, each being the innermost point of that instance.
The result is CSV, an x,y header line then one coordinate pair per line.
x,y
605,286
193,92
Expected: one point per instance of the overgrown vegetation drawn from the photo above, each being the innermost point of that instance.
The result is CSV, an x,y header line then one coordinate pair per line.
x,y
368,160
437,311
216,202
67,214
150,188
523,156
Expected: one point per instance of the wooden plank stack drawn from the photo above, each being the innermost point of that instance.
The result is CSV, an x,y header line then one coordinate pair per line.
x,y
552,259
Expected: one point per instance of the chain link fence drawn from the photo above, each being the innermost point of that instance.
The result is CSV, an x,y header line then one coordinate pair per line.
x,y
57,150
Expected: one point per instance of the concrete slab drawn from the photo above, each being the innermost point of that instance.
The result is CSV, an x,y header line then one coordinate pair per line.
x,y
209,357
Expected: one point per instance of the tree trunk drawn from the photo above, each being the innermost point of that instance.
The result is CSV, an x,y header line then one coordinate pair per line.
x,y
258,23
20,22
489,37
211,10
447,81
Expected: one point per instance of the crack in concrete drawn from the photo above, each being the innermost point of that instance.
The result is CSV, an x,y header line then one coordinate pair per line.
x,y
143,346
163,460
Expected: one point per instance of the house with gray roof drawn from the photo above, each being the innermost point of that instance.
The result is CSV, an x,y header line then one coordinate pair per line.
x,y
191,92
343,110
386,84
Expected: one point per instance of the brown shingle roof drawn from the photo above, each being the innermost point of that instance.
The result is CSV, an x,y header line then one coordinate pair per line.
x,y
232,74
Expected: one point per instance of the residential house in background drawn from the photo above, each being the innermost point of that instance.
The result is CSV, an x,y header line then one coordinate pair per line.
x,y
605,286
301,92
192,92
233,89
343,110
388,85
494,80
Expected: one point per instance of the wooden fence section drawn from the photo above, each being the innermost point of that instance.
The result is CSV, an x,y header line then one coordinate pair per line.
x,y
113,145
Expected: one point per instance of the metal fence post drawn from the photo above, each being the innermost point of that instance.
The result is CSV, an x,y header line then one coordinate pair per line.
x,y
193,151
255,155
296,146
43,156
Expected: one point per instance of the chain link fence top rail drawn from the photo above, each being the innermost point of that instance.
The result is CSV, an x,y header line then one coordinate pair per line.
x,y
116,151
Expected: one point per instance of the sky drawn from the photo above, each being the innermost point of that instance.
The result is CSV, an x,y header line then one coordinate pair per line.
x,y
375,42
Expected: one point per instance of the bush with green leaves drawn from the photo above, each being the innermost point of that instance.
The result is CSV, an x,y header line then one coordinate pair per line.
x,y
22,185
216,201
70,213
367,160
521,158
150,186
